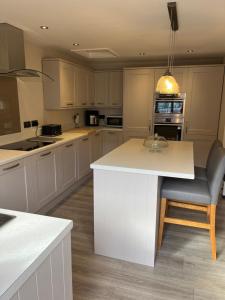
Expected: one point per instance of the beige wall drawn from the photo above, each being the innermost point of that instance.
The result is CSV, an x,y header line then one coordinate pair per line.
x,y
30,91
222,118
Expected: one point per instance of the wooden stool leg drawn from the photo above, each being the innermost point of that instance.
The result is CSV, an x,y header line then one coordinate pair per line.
x,y
161,221
213,229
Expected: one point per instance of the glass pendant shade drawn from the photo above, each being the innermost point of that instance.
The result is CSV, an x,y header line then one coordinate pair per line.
x,y
167,84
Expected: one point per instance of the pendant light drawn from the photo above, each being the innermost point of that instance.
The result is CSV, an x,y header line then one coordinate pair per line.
x,y
167,84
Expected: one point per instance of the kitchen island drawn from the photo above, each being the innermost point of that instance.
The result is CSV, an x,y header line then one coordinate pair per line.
x,y
127,185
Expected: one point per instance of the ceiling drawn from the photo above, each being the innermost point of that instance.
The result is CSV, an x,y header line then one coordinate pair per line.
x,y
126,27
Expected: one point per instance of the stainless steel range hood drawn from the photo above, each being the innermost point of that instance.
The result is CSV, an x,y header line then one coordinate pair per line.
x,y
12,54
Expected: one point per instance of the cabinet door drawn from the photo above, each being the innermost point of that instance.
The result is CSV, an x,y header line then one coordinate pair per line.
x,y
111,140
96,146
138,102
180,74
13,186
203,109
101,88
83,157
115,88
66,84
91,88
68,165
82,87
46,176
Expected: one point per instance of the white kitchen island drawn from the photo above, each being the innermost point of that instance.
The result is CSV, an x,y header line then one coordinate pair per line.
x,y
127,185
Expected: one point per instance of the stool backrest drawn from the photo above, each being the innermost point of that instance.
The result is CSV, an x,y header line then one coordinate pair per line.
x,y
215,172
212,151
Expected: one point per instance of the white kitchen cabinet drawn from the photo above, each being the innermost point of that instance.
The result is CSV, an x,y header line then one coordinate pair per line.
x,y
96,146
115,88
202,111
81,86
46,176
108,88
60,93
111,139
138,102
83,157
101,88
91,88
66,168
13,186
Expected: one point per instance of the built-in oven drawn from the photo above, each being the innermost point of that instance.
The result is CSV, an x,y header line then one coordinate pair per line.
x,y
168,116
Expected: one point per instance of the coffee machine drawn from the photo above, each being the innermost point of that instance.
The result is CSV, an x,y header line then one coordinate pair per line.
x,y
91,118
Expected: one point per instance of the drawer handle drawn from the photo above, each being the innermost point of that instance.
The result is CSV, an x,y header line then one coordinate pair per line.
x,y
85,139
70,145
84,103
92,103
114,103
99,102
68,104
97,134
111,132
12,167
46,154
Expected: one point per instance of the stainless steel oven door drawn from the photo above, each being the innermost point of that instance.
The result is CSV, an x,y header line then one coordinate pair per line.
x,y
172,132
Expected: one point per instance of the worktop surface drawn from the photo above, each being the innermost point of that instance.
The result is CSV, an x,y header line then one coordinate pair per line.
x,y
174,161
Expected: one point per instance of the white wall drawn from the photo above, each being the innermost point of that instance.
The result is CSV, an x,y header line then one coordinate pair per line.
x,y
30,91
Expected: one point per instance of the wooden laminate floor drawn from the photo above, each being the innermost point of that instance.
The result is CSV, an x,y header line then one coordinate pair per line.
x,y
183,270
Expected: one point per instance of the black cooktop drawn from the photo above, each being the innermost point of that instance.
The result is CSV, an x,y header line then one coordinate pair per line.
x,y
30,144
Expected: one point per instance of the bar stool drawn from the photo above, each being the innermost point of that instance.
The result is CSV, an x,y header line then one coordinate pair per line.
x,y
200,172
197,194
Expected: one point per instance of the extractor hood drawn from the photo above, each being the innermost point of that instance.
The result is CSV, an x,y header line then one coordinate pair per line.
x,y
12,54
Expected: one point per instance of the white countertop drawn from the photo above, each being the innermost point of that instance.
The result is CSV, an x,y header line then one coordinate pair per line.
x,y
7,156
24,244
174,161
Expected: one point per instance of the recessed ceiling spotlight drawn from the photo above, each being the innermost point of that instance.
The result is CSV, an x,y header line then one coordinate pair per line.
x,y
44,27
76,44
141,53
190,51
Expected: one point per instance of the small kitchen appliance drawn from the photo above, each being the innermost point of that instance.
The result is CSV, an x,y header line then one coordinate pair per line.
x,y
114,121
51,129
91,118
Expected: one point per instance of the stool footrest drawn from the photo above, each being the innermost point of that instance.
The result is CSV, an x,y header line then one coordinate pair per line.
x,y
188,206
187,223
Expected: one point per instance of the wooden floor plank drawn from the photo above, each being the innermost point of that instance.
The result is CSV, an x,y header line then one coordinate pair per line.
x,y
183,270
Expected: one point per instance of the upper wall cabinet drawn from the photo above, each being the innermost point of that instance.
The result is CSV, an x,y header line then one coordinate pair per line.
x,y
138,102
60,92
81,87
108,88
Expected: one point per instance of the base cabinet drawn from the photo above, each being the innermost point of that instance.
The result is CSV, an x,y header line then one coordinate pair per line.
x,y
111,140
13,186
83,157
96,146
53,278
45,171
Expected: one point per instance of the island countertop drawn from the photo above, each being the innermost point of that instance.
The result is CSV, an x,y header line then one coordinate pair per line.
x,y
174,161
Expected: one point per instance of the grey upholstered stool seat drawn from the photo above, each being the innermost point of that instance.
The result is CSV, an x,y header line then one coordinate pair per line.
x,y
198,194
201,173
185,190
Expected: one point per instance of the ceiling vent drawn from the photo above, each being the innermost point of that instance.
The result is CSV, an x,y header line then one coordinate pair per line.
x,y
96,53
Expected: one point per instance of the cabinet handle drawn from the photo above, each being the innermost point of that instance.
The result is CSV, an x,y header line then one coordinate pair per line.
x,y
111,132
99,102
150,126
12,167
46,154
97,134
85,139
70,145
84,103
114,103
69,104
92,103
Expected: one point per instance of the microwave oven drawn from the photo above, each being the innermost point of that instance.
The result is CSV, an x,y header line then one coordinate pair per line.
x,y
169,106
114,121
